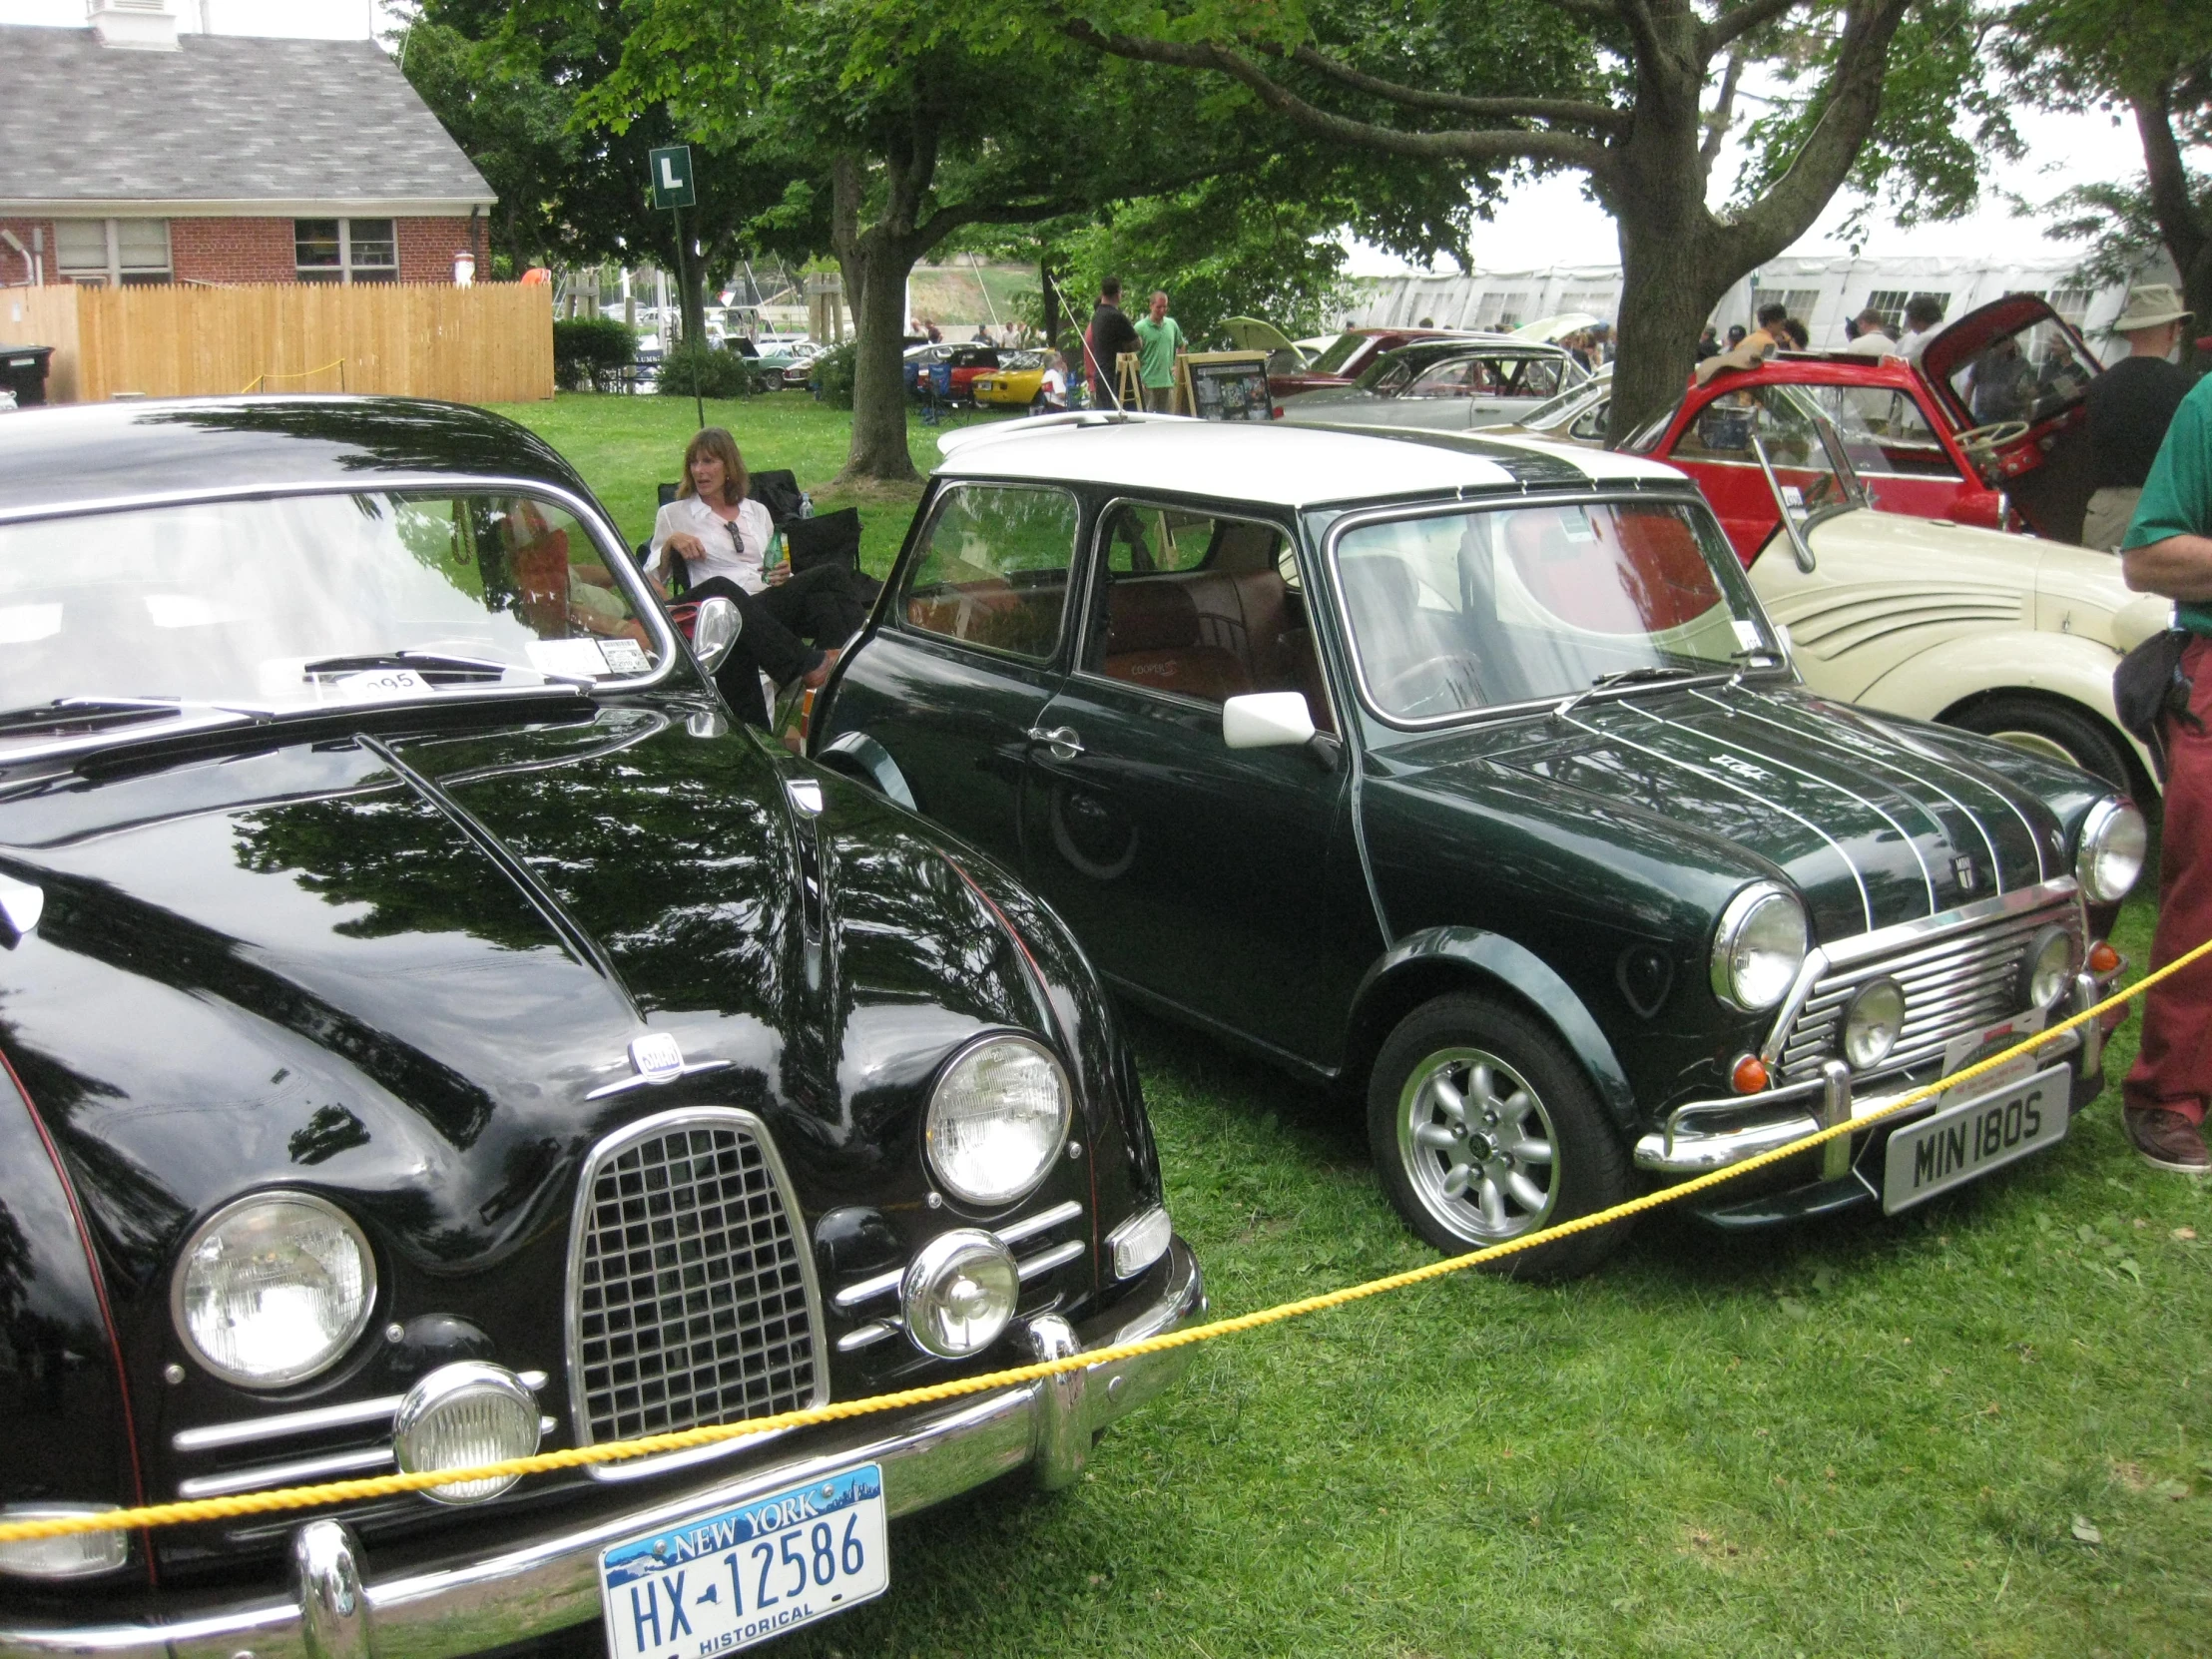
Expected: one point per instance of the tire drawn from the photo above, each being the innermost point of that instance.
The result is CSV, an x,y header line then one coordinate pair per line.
x,y
2057,730
1484,1053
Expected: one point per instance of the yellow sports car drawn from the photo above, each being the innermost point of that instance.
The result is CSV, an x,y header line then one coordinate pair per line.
x,y
1017,380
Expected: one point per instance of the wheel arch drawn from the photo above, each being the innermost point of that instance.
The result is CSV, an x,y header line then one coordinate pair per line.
x,y
1438,961
860,756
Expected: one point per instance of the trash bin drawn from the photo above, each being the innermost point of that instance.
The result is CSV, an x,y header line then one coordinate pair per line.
x,y
23,371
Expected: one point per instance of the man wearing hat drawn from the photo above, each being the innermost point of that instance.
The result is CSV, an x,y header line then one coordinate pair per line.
x,y
2130,406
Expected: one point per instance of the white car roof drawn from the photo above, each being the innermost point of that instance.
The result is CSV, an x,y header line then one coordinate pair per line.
x,y
1286,466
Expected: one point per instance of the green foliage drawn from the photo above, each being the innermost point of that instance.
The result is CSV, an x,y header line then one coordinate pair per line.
x,y
2097,54
696,368
2115,222
833,373
589,353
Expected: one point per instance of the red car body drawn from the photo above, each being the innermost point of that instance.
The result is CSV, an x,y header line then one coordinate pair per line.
x,y
1373,343
1902,424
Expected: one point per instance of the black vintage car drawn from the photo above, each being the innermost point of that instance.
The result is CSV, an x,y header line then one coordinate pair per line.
x,y
433,1032
1471,771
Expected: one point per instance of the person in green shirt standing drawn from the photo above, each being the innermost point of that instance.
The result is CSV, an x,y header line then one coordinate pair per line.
x,y
1159,339
2168,550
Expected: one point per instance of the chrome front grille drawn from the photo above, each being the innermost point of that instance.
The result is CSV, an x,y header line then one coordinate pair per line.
x,y
1954,982
691,1291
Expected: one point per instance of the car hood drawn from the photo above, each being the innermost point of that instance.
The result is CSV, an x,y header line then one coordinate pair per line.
x,y
399,971
1874,824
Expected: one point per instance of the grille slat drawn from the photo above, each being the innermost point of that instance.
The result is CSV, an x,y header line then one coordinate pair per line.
x,y
1952,986
690,1298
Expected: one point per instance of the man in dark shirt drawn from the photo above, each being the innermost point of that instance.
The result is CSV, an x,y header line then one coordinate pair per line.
x,y
2130,406
1110,336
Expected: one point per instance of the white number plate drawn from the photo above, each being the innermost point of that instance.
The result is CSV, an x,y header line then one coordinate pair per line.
x,y
1974,1137
743,1575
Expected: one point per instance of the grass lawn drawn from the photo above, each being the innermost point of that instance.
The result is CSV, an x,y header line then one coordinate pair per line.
x,y
1981,1427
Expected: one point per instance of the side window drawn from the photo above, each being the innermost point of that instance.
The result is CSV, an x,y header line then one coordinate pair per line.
x,y
992,569
537,562
1723,429
1885,431
1444,381
1201,605
1540,377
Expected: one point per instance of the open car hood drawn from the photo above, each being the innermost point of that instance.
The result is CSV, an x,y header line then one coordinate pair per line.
x,y
1250,333
1958,345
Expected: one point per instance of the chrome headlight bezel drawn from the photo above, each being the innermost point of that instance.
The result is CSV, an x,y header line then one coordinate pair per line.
x,y
2114,829
1769,918
2033,968
1866,1014
453,1388
966,1253
300,1369
956,1165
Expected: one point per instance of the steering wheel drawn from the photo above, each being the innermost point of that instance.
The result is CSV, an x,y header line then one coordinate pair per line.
x,y
1437,684
1996,436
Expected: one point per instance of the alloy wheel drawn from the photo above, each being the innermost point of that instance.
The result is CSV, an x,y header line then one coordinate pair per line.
x,y
1478,1145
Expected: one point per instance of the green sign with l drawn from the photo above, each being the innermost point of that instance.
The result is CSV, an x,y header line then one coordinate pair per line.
x,y
671,177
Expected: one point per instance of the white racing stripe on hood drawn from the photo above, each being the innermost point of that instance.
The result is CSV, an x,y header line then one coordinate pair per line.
x,y
1866,903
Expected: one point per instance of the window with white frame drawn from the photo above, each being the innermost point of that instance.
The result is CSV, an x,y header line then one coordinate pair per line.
x,y
345,250
1598,303
1502,310
114,253
2070,303
1799,302
1891,303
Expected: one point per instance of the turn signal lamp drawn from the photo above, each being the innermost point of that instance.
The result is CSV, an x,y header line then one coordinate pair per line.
x,y
1748,1075
2103,959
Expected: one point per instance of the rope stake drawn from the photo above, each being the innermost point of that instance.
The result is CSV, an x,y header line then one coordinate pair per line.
x,y
386,1486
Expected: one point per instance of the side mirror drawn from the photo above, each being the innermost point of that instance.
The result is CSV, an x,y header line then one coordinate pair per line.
x,y
715,629
1267,720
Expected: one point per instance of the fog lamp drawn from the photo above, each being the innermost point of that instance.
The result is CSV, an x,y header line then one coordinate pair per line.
x,y
79,1556
1872,1023
462,1415
960,1292
2048,968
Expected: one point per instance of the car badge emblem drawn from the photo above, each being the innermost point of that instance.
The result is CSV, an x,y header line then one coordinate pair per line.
x,y
1963,867
659,1058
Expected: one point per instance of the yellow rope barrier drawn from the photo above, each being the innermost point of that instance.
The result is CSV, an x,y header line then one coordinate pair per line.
x,y
253,385
386,1486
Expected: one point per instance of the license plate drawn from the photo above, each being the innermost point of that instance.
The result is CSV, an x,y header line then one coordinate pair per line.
x,y
743,1575
1974,1137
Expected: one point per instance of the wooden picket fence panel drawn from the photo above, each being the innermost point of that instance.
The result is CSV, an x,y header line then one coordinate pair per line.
x,y
491,343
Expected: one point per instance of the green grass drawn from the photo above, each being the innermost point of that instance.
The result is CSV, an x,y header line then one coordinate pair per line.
x,y
1860,1436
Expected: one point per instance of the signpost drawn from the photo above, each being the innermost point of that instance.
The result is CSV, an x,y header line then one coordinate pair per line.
x,y
670,179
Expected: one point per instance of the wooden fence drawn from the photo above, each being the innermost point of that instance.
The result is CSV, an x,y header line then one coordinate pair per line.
x,y
488,344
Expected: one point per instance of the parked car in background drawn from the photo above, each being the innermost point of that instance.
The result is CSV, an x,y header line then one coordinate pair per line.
x,y
1342,360
1016,382
1473,773
435,1034
967,363
1446,386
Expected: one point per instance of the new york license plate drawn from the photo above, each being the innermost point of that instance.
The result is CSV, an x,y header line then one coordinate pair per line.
x,y
743,1575
1974,1137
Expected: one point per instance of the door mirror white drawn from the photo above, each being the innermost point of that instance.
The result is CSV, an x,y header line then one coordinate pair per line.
x,y
715,629
1266,720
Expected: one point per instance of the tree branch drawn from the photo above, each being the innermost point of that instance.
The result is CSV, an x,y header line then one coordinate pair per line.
x,y
1716,126
1732,25
1570,110
2171,205
1480,144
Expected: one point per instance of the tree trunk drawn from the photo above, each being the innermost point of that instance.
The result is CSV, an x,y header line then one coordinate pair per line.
x,y
1667,293
2187,238
879,453
1049,298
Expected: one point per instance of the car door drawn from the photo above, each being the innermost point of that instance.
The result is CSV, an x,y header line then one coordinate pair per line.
x,y
1905,466
1208,876
954,677
1435,397
1711,440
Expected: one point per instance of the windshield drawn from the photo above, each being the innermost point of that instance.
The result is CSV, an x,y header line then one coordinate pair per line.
x,y
1460,610
2028,375
1336,354
312,600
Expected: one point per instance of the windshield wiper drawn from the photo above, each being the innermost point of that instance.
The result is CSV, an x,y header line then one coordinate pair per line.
x,y
1622,677
88,714
429,663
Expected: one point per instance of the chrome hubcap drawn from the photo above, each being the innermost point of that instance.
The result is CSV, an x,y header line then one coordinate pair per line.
x,y
1478,1144
2037,744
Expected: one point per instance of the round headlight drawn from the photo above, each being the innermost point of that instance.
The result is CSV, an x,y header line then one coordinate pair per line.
x,y
1872,1023
997,1118
960,1292
1757,947
272,1289
461,1416
2113,841
2048,968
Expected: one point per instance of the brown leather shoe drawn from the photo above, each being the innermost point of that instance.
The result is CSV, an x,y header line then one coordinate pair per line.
x,y
818,676
2167,1140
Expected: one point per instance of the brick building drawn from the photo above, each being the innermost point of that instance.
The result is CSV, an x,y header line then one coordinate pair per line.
x,y
136,154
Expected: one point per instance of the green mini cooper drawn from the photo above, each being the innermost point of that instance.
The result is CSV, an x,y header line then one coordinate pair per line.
x,y
1474,774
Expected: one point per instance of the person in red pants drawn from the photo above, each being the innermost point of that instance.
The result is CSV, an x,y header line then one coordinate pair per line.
x,y
2168,550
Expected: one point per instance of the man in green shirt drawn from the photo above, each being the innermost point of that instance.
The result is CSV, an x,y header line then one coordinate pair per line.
x,y
1159,339
2168,550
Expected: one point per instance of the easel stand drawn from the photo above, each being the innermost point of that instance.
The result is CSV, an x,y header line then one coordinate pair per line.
x,y
1129,388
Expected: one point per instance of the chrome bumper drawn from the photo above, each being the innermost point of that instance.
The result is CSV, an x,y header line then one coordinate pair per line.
x,y
1706,1135
339,1610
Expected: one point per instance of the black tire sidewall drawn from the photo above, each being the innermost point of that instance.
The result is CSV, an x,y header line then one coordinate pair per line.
x,y
2078,732
1592,1167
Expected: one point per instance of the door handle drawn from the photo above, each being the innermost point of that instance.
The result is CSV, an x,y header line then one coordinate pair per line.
x,y
1061,739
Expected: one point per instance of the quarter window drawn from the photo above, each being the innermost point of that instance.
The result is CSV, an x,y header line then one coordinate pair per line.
x,y
992,569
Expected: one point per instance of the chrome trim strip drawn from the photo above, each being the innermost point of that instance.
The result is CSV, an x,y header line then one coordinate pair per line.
x,y
286,1474
646,1128
1866,901
689,1068
868,1290
1057,1255
866,1336
217,1436
1761,758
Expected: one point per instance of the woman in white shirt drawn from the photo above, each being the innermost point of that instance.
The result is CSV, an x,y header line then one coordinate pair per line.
x,y
721,534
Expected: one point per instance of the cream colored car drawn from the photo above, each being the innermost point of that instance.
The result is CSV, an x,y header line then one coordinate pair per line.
x,y
2005,635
